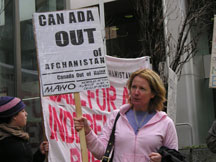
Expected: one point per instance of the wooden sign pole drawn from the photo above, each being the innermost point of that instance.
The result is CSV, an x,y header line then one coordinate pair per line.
x,y
84,150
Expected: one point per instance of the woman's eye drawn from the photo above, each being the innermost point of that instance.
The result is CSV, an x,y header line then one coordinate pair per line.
x,y
142,88
133,87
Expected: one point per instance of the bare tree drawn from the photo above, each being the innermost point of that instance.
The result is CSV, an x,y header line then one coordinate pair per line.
x,y
149,15
197,19
151,20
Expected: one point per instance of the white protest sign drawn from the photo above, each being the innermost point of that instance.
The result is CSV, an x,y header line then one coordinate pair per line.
x,y
212,77
59,110
70,51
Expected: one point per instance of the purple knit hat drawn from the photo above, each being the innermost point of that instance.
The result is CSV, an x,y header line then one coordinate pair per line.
x,y
9,106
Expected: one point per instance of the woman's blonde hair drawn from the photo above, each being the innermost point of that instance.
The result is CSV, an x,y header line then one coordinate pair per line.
x,y
156,85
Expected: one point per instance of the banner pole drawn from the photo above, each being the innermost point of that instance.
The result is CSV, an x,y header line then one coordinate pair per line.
x,y
84,150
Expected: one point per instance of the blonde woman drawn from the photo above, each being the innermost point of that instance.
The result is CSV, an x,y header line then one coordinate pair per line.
x,y
142,127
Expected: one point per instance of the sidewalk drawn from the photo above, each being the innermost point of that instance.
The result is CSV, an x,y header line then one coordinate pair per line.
x,y
198,155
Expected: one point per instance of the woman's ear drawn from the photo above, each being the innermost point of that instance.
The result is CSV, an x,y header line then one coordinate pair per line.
x,y
152,96
14,118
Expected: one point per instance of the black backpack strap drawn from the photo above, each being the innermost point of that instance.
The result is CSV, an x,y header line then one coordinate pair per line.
x,y
111,141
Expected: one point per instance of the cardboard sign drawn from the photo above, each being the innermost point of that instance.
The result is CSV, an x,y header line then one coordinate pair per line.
x,y
70,51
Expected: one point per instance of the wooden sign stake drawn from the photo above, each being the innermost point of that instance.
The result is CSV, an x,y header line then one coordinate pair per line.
x,y
84,150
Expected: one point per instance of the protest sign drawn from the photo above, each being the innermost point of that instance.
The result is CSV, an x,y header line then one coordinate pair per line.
x,y
96,104
70,51
70,55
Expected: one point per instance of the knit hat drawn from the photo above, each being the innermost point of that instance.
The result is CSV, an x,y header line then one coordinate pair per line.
x,y
9,106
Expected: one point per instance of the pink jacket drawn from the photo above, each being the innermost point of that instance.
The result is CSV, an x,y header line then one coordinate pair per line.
x,y
160,130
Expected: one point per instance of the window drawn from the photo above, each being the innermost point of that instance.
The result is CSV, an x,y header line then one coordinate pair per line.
x,y
7,77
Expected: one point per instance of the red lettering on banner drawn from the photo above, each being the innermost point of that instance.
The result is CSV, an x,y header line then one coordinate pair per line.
x,y
125,96
104,119
67,115
111,99
89,96
52,136
97,117
105,98
58,123
61,123
74,155
109,96
76,134
103,107
93,122
68,97
90,156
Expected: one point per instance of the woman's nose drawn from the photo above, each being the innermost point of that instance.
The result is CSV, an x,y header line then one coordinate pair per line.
x,y
136,91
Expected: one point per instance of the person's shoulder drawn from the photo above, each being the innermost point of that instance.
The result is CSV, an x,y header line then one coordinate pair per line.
x,y
124,108
163,115
12,140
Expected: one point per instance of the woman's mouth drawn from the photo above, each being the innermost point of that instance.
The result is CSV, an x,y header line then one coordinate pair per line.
x,y
135,99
